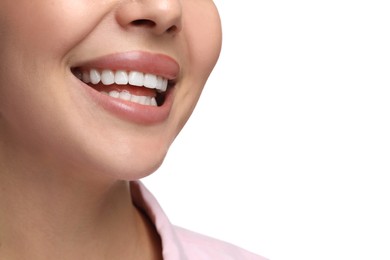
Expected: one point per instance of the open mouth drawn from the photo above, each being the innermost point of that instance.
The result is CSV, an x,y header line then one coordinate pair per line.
x,y
131,86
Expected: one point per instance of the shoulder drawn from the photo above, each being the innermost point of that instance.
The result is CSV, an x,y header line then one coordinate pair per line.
x,y
197,246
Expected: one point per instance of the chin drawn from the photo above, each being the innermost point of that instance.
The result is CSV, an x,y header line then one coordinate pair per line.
x,y
123,165
136,171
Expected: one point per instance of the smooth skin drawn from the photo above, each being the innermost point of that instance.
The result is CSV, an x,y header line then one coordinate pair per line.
x,y
66,163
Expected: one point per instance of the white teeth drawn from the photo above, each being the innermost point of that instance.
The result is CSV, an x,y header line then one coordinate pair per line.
x,y
153,102
125,95
86,78
136,78
107,77
163,84
94,75
121,77
143,100
150,81
114,94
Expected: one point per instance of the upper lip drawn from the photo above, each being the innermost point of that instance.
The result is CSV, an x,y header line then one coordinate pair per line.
x,y
146,62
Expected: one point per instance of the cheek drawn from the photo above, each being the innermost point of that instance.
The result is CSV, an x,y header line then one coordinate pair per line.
x,y
204,36
48,27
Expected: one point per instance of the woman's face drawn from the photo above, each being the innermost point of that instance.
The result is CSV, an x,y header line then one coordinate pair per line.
x,y
82,82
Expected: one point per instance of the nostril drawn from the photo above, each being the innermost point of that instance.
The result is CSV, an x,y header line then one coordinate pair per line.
x,y
144,22
147,23
172,29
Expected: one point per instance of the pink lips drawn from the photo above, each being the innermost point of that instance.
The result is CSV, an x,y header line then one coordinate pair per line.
x,y
157,64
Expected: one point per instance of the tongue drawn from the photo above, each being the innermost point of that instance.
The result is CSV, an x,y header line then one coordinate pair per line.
x,y
138,91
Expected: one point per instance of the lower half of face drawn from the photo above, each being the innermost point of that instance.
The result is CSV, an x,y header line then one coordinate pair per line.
x,y
51,117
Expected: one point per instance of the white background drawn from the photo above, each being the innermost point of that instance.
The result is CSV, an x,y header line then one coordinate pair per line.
x,y
288,151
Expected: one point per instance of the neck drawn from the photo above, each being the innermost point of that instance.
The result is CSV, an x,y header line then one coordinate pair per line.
x,y
58,216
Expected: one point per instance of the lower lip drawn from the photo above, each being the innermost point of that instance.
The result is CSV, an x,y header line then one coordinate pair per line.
x,y
132,112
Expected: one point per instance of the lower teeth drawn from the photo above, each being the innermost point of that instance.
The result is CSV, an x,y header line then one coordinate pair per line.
x,y
125,95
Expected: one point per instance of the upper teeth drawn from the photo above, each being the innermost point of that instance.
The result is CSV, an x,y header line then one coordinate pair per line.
x,y
121,77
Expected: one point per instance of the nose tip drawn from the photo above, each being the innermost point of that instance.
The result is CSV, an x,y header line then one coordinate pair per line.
x,y
158,16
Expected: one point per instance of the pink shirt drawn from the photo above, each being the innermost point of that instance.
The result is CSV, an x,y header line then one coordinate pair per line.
x,y
179,243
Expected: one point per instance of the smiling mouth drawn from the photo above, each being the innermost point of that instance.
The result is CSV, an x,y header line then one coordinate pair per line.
x,y
130,86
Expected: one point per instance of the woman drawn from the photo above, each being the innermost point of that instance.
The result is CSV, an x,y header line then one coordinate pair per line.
x,y
92,94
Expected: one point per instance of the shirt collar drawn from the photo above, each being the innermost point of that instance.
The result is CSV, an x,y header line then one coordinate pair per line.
x,y
144,200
